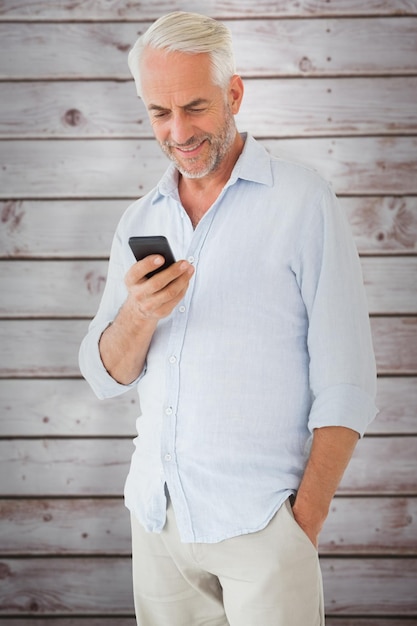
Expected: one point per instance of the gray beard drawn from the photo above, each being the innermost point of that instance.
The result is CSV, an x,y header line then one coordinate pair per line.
x,y
219,146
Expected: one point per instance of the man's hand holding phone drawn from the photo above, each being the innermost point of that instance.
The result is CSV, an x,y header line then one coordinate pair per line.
x,y
155,297
125,343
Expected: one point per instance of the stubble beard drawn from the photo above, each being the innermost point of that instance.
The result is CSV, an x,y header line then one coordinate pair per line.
x,y
219,146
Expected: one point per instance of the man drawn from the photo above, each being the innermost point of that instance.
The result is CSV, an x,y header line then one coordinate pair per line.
x,y
252,354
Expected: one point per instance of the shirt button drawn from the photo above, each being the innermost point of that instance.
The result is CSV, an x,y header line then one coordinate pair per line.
x,y
168,411
172,359
167,457
191,259
181,309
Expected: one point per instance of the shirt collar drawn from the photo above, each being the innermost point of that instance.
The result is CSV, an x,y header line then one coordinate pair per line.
x,y
254,164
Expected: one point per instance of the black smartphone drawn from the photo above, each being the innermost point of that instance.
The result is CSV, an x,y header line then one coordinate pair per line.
x,y
152,244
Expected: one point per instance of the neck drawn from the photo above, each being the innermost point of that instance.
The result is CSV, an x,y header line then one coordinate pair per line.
x,y
198,194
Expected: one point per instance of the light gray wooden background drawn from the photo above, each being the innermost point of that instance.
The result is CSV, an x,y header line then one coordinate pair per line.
x,y
332,83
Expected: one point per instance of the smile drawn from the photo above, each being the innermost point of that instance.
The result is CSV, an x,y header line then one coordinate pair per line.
x,y
190,151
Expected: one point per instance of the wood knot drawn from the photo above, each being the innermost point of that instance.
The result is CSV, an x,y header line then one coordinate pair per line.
x,y
5,571
12,214
73,117
305,65
95,282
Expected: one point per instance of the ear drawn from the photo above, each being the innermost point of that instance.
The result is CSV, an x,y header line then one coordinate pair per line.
x,y
236,90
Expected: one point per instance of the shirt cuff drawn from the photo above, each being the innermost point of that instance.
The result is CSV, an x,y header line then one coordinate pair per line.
x,y
343,405
93,370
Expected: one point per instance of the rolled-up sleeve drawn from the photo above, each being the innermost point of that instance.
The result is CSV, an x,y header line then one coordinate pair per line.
x,y
342,362
91,365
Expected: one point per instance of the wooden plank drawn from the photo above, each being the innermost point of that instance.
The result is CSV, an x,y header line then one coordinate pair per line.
x,y
64,527
98,467
345,621
64,467
374,526
49,348
391,284
395,344
45,586
286,47
370,586
41,348
130,621
370,473
370,526
55,288
356,165
128,168
112,620
79,169
68,408
60,228
64,408
307,107
125,10
74,288
325,107
69,228
383,225
397,403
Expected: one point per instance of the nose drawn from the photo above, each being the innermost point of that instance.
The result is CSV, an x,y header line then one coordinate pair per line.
x,y
181,128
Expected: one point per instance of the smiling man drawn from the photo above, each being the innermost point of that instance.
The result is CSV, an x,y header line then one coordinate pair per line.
x,y
252,354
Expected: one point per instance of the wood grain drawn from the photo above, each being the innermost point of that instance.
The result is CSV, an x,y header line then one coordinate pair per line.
x,y
128,168
84,228
285,47
109,620
377,526
64,527
332,84
45,586
97,10
395,346
68,408
130,621
74,288
370,586
370,526
383,225
98,467
65,408
64,467
383,466
271,107
49,348
397,403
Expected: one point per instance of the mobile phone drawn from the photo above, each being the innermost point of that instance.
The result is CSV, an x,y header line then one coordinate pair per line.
x,y
153,244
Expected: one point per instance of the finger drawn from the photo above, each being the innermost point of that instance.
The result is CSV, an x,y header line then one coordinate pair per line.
x,y
178,270
141,268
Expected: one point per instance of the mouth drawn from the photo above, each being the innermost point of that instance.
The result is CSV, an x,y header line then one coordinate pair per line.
x,y
190,151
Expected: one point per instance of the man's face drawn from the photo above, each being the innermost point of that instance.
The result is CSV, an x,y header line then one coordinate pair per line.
x,y
191,117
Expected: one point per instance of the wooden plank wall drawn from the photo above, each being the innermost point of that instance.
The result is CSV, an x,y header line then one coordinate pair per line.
x,y
332,83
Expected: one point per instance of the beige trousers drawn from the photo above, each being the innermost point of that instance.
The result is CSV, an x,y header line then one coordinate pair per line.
x,y
268,578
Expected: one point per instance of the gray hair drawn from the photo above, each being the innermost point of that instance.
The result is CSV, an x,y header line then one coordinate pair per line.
x,y
190,33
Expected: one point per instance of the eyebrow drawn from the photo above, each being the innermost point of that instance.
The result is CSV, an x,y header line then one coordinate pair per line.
x,y
189,105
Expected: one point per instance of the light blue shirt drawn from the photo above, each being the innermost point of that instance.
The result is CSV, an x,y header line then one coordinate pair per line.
x,y
271,341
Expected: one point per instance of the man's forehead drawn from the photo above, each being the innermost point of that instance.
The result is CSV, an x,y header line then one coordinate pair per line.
x,y
183,77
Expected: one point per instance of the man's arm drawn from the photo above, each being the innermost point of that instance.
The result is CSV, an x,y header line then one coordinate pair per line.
x,y
125,343
331,452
